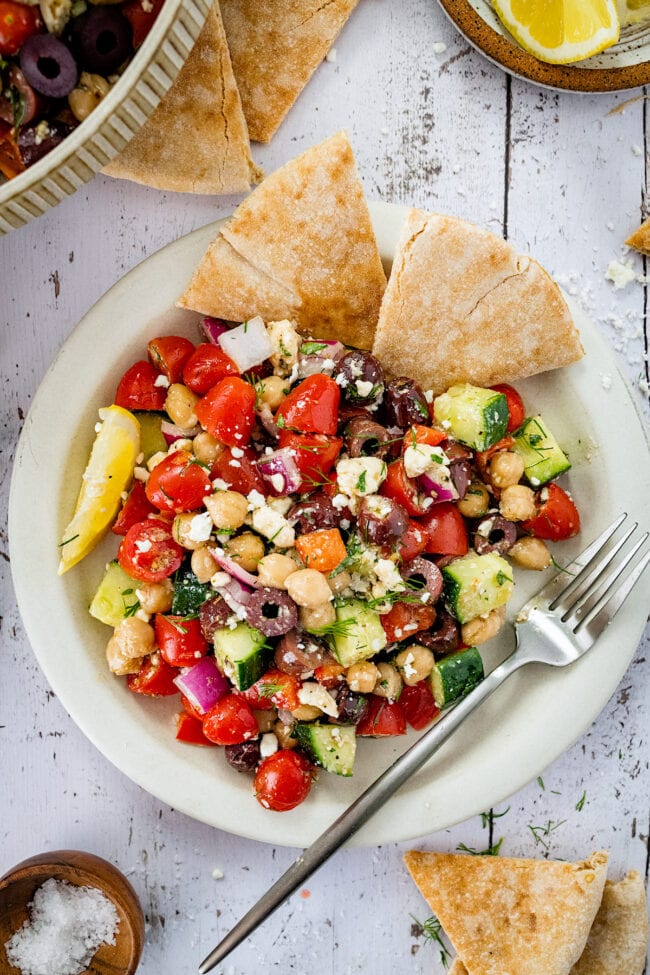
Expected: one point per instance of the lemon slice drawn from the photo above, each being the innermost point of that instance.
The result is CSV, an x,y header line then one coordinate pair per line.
x,y
560,31
108,473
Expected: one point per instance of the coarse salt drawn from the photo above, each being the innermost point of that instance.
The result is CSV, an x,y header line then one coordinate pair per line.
x,y
66,926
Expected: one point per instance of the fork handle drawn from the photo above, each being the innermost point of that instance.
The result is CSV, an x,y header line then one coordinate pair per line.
x,y
354,817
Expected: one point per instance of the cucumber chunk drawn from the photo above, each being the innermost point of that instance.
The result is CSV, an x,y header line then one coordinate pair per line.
x,y
242,654
151,438
472,415
476,584
543,458
456,675
331,746
115,598
189,593
358,634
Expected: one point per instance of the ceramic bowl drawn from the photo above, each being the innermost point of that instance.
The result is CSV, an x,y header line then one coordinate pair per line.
x,y
115,120
19,884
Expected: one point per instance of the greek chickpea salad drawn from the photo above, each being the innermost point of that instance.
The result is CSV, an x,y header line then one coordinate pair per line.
x,y
58,60
310,552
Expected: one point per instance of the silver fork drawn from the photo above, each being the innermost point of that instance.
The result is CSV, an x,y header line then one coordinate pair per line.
x,y
556,627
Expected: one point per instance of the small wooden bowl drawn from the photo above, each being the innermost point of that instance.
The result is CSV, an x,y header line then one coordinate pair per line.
x,y
18,886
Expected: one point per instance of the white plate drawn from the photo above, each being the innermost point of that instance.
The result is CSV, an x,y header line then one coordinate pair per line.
x,y
510,740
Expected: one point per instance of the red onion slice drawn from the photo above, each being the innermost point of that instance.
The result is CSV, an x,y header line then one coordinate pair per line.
x,y
437,490
280,470
203,684
236,596
248,345
213,328
235,570
171,432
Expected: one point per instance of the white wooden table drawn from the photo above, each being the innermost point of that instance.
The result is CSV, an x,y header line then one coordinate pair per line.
x,y
564,176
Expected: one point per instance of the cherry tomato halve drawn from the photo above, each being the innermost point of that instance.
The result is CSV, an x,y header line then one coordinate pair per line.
x,y
557,516
382,719
178,483
239,473
169,354
190,730
206,367
418,705
314,454
404,489
230,721
137,507
516,409
180,639
311,407
282,781
137,389
148,552
17,23
141,17
445,530
275,689
155,678
419,434
413,542
227,411
404,620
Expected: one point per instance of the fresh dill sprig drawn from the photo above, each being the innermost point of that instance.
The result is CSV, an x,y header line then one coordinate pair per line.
x,y
581,801
490,851
431,931
541,834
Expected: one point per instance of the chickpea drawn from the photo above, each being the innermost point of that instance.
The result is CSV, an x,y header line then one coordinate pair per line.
x,y
228,509
265,719
340,581
483,628
389,682
517,503
132,640
309,588
306,712
182,531
183,443
362,677
313,620
203,565
506,468
274,570
272,390
180,404
155,597
414,664
247,549
206,448
283,734
476,501
88,93
530,553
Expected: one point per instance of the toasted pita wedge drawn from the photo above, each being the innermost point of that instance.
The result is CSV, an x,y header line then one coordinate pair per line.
x,y
462,306
196,140
458,968
301,247
512,917
275,48
619,936
640,239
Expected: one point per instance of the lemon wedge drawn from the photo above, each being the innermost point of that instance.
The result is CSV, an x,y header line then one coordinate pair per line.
x,y
108,473
560,31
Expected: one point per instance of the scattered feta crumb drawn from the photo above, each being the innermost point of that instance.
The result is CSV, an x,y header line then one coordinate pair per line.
x,y
274,526
217,873
605,381
162,381
439,47
237,452
637,150
268,744
200,527
317,696
220,485
620,274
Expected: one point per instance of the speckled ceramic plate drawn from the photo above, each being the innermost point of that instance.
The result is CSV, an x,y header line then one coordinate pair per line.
x,y
523,727
116,119
625,65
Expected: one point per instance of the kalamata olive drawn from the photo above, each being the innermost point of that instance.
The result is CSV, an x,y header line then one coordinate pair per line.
x,y
299,653
39,138
366,438
102,39
315,513
494,534
244,757
405,403
421,568
352,706
443,636
29,102
381,520
271,611
48,65
360,377
455,451
461,475
214,613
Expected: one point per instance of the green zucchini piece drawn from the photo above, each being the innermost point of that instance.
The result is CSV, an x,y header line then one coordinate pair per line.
x,y
242,654
472,415
543,457
474,585
357,633
115,598
456,675
331,746
189,593
151,438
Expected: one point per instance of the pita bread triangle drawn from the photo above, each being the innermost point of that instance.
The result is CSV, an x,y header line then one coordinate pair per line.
x,y
512,917
463,306
640,239
196,140
275,48
301,246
